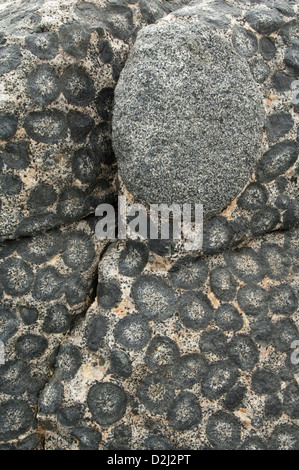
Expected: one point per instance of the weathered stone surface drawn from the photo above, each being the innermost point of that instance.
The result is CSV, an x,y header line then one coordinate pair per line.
x,y
180,378
264,20
178,350
47,282
168,127
59,63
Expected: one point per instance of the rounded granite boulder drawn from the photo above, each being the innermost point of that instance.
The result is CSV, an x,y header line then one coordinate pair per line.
x,y
188,116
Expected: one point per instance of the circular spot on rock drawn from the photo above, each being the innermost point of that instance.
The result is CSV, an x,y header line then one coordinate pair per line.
x,y
57,319
189,370
8,126
265,382
8,323
10,58
43,45
264,220
267,48
86,165
42,196
213,341
78,251
95,332
261,331
205,127
254,197
276,161
107,403
47,126
132,332
80,125
157,443
283,300
69,416
188,273
72,204
133,258
223,431
217,235
284,437
89,438
29,315
77,86
253,300
223,284
228,318
16,276
245,264
74,39
10,185
43,85
234,397
15,378
291,400
156,393
16,155
154,298
195,310
185,412
162,352
120,363
31,346
109,294
16,418
219,379
40,248
285,332
244,352
48,284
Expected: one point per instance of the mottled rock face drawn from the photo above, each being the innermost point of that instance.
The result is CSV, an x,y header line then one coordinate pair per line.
x,y
169,350
168,359
188,117
59,63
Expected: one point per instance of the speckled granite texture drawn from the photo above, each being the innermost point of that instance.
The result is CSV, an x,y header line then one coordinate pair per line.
x,y
135,344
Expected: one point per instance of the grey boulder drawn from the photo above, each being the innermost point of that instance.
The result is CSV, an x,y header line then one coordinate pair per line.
x,y
188,117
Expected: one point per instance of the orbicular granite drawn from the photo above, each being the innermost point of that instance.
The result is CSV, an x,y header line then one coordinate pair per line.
x,y
187,352
47,282
59,63
168,350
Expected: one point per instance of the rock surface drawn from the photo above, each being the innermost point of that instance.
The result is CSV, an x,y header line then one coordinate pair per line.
x,y
47,282
59,63
214,356
137,345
